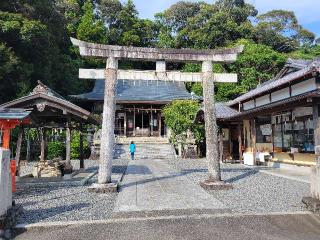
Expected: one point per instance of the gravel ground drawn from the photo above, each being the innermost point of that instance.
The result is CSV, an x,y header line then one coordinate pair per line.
x,y
27,169
253,191
67,203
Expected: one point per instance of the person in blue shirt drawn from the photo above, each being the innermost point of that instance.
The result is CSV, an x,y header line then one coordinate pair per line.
x,y
132,150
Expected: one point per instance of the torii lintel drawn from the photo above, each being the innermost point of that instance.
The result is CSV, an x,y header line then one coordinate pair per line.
x,y
225,55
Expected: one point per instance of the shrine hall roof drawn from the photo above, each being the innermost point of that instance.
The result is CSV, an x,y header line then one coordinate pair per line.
x,y
223,112
14,113
140,91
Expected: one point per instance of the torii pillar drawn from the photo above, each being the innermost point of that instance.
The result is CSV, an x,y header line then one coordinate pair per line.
x,y
108,119
113,53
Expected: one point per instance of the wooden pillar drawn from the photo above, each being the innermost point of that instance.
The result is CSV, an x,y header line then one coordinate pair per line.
x,y
253,139
68,146
28,146
81,149
108,120
316,125
6,138
125,124
240,142
159,117
214,173
18,150
42,144
134,121
315,171
151,121
221,145
142,122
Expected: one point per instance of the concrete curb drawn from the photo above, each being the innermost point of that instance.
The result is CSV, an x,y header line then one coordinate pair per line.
x,y
86,179
137,219
284,176
60,183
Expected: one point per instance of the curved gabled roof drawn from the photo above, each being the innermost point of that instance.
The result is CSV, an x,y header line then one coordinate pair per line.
x,y
140,91
43,98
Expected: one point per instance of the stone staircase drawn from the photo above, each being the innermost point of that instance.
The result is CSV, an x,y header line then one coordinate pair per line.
x,y
156,140
146,151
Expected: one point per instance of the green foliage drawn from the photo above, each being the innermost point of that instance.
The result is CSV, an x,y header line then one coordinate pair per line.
x,y
281,30
56,149
257,64
34,40
124,25
91,28
179,117
201,25
75,146
306,53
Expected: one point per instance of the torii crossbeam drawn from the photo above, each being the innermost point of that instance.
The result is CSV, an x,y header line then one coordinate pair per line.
x,y
114,53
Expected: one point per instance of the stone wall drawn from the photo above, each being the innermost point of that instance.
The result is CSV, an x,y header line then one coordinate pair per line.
x,y
5,182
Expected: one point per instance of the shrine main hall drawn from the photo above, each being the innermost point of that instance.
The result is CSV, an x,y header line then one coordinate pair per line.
x,y
139,105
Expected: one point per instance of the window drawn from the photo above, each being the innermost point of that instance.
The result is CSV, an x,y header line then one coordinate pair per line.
x,y
263,129
293,131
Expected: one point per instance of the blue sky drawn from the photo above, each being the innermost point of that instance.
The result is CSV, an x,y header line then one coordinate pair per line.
x,y
307,11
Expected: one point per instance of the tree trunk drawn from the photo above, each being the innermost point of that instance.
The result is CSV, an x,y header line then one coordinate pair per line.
x,y
108,119
212,155
18,150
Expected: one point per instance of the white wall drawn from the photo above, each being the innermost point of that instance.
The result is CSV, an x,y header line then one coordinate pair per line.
x,y
262,100
279,95
303,87
5,182
248,105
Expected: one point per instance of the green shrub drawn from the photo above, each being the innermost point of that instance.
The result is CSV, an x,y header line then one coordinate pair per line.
x,y
56,149
75,146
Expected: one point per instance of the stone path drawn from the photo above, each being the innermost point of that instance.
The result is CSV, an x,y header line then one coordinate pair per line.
x,y
297,175
151,184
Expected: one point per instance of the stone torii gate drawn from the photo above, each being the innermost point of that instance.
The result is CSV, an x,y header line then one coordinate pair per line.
x,y
114,53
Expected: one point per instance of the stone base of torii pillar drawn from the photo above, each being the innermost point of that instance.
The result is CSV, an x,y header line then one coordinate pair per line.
x,y
215,185
104,188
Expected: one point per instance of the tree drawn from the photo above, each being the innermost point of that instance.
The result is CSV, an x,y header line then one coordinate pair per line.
x,y
206,25
36,34
91,28
281,30
179,117
306,52
124,26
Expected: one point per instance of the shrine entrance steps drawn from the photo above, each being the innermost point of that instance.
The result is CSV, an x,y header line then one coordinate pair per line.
x,y
151,186
128,140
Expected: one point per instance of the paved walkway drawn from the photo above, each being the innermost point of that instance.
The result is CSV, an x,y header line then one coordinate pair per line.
x,y
297,175
151,184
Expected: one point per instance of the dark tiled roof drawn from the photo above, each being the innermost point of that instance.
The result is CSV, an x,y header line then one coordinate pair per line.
x,y
43,94
313,66
14,113
223,112
140,91
298,63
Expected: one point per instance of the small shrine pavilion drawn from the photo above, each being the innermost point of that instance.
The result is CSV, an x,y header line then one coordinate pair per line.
x,y
43,109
